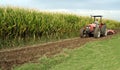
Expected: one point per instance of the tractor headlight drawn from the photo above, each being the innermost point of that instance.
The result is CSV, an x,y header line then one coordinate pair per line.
x,y
87,28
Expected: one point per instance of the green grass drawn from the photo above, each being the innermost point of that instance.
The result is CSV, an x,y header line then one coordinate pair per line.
x,y
100,55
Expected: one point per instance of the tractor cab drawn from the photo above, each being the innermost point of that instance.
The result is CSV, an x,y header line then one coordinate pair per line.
x,y
97,16
97,20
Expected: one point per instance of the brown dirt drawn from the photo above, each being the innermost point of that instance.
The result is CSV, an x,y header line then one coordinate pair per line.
x,y
18,56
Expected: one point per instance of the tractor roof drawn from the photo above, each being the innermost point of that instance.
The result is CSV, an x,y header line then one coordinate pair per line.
x,y
96,16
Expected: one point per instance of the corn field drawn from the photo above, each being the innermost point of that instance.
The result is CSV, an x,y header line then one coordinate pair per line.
x,y
22,24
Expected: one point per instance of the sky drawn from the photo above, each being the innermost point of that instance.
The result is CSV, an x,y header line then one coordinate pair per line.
x,y
108,8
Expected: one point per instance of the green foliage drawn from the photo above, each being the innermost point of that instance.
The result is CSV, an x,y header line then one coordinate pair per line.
x,y
112,24
17,25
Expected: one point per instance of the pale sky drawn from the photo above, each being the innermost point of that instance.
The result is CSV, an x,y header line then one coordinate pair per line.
x,y
107,8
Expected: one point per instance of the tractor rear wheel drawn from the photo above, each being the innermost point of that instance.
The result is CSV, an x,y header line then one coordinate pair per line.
x,y
104,30
97,32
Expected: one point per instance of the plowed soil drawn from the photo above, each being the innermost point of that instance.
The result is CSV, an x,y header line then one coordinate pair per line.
x,y
18,56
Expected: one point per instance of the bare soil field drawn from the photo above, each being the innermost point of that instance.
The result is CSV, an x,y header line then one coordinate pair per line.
x,y
18,56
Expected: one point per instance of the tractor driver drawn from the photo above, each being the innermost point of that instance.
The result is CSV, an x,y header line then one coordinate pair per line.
x,y
96,21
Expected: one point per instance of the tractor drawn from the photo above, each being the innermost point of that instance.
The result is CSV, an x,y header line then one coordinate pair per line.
x,y
94,29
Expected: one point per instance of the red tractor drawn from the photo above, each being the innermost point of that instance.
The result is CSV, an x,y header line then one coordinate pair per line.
x,y
94,29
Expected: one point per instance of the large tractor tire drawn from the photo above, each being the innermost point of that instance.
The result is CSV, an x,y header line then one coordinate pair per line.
x,y
97,32
104,30
82,33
